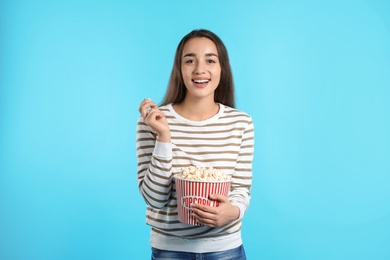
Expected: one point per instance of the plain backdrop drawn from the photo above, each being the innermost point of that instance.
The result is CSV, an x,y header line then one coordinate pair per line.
x,y
314,75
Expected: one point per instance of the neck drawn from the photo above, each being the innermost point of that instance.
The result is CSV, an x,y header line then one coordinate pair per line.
x,y
197,110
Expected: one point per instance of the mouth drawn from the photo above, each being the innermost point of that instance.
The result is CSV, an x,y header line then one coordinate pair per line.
x,y
201,82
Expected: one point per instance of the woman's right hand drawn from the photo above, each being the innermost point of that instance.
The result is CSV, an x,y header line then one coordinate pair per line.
x,y
155,119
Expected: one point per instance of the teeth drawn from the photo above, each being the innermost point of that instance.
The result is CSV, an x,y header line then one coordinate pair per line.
x,y
201,81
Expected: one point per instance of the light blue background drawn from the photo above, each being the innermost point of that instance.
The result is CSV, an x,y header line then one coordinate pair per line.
x,y
314,75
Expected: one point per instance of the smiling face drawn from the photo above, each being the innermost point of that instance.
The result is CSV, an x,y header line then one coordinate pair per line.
x,y
200,68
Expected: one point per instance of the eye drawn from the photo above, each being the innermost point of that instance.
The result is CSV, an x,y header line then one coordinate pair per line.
x,y
189,61
211,61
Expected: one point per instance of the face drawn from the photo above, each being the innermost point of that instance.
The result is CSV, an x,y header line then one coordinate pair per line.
x,y
200,68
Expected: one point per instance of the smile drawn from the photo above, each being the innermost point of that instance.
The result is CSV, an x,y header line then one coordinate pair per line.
x,y
200,81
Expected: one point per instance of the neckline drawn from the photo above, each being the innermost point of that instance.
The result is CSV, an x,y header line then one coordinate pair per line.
x,y
198,123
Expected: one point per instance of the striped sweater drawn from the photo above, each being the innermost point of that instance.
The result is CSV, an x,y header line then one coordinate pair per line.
x,y
225,142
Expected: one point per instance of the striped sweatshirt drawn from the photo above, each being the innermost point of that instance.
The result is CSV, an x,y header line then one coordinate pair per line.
x,y
225,142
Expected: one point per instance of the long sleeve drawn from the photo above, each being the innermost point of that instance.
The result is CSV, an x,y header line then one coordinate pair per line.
x,y
154,167
225,142
242,177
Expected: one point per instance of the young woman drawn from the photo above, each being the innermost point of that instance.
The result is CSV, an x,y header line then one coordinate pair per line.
x,y
196,124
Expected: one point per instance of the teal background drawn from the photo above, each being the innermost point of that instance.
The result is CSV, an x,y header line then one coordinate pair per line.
x,y
314,75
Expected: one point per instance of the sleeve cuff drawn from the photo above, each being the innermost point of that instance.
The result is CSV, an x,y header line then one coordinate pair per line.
x,y
241,208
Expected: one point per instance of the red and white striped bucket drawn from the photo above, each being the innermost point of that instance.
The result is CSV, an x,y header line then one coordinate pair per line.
x,y
191,192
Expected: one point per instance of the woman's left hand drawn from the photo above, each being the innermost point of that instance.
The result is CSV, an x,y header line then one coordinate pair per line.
x,y
216,216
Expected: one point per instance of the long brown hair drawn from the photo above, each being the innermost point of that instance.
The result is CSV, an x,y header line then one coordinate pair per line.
x,y
224,93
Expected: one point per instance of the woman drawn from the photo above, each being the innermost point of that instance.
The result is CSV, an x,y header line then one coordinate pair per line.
x,y
196,124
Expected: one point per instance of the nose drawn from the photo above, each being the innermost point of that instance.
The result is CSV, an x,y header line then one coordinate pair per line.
x,y
200,68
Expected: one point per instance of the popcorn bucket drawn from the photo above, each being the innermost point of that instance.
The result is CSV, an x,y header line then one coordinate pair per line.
x,y
190,192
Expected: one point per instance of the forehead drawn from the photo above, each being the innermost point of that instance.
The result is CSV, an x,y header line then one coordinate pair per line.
x,y
200,46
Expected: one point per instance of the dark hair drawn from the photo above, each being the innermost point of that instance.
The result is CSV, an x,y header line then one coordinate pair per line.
x,y
224,93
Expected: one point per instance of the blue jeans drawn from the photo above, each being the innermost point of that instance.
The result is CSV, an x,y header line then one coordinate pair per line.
x,y
232,254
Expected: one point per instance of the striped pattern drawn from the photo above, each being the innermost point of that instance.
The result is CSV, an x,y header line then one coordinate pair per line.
x,y
225,142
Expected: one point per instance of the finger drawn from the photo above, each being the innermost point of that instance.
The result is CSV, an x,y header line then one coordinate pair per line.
x,y
202,218
143,108
205,219
203,210
154,111
144,101
208,223
153,115
146,106
219,197
147,100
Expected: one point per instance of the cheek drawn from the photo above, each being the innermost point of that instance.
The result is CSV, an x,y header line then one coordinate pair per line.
x,y
185,74
218,73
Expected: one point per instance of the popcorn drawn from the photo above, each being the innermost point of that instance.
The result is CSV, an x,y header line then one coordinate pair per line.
x,y
197,173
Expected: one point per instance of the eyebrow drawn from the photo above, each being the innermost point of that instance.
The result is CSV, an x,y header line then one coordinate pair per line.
x,y
193,55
